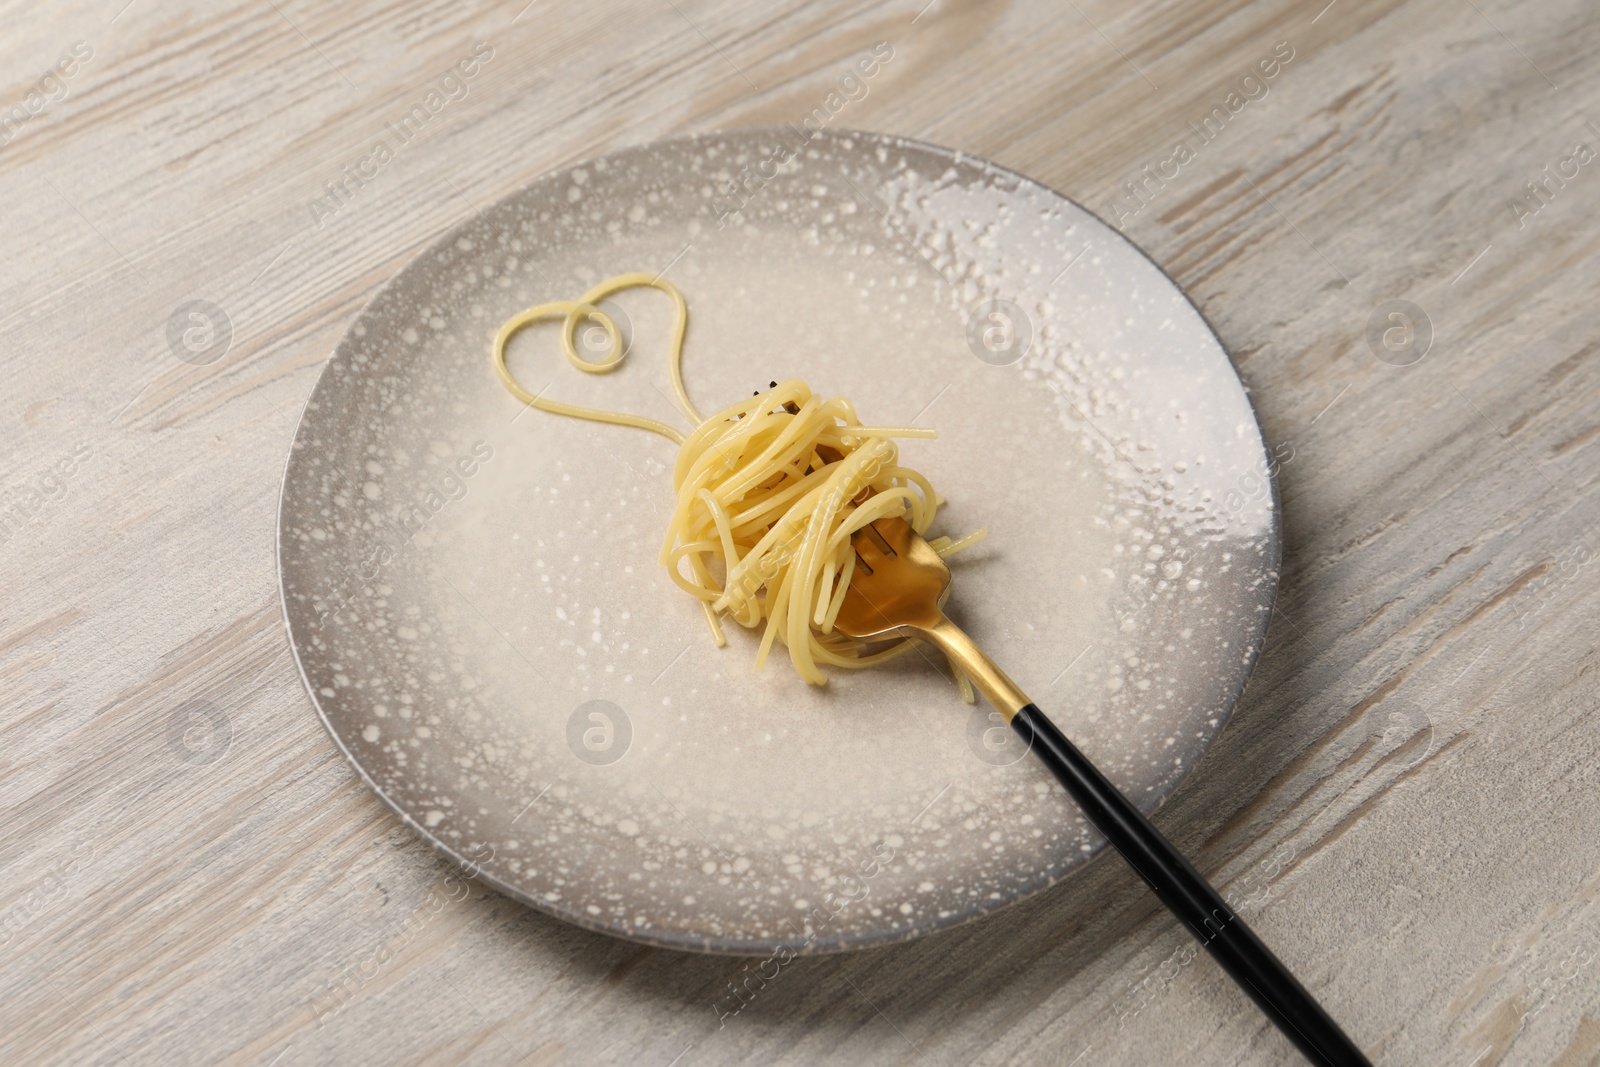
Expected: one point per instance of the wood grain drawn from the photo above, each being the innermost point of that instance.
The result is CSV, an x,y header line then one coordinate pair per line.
x,y
1406,799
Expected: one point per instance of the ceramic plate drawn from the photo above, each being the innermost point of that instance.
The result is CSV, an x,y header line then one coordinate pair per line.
x,y
472,592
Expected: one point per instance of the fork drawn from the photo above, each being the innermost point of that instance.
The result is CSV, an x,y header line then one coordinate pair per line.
x,y
898,590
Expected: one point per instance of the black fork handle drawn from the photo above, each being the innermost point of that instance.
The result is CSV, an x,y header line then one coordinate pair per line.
x,y
1191,898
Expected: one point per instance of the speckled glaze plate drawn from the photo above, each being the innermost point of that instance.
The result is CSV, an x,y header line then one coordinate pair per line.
x,y
472,592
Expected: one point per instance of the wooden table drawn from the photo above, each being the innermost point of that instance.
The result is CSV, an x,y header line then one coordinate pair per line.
x,y
1405,804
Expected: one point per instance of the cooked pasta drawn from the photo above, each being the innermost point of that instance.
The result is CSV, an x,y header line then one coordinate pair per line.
x,y
768,492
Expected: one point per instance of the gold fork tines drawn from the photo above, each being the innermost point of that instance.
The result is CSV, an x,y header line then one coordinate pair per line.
x,y
898,589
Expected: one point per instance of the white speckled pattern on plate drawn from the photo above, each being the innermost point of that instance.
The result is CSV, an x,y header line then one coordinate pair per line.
x,y
472,592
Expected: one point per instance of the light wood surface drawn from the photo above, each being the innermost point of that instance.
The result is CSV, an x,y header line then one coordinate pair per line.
x,y
1405,803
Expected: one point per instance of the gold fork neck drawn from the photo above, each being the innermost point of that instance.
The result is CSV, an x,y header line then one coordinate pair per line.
x,y
985,675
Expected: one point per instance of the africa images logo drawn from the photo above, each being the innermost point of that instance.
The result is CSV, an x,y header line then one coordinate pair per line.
x,y
453,86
